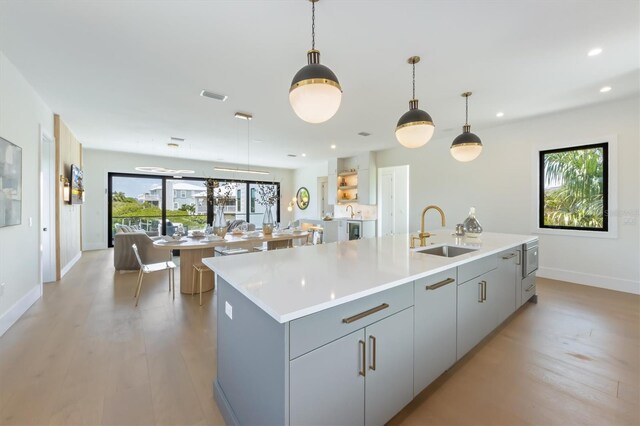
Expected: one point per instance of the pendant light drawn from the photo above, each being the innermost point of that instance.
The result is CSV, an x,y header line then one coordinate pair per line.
x,y
248,117
415,127
467,146
315,93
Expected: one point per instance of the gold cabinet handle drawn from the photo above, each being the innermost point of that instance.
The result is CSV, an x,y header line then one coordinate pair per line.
x,y
509,256
484,292
365,313
362,372
372,339
480,292
440,284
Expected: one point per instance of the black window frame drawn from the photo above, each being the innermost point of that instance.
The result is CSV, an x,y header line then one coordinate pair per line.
x,y
163,202
605,184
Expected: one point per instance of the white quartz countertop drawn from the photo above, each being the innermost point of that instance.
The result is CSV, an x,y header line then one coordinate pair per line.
x,y
292,283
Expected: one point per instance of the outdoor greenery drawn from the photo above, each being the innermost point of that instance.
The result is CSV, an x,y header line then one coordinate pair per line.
x,y
129,211
574,188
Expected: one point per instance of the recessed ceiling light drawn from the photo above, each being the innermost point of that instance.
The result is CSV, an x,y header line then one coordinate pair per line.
x,y
173,145
212,95
364,134
605,89
595,51
333,147
304,155
500,114
243,116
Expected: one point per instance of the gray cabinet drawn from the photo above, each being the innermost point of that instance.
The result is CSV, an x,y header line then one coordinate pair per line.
x,y
389,372
435,327
476,317
325,384
507,280
365,377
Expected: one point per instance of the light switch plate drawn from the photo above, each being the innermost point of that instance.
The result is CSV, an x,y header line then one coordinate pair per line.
x,y
228,309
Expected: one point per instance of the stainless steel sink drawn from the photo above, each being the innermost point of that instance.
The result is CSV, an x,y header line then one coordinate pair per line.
x,y
446,251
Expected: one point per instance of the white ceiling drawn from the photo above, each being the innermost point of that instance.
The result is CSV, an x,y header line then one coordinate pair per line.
x,y
126,75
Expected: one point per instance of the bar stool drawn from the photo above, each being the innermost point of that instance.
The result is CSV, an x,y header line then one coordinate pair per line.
x,y
200,269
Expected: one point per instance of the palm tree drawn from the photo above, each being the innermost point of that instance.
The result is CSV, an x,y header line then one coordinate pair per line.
x,y
574,188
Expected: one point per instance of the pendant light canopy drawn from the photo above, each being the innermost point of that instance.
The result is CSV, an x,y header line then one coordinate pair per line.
x,y
415,127
467,146
315,93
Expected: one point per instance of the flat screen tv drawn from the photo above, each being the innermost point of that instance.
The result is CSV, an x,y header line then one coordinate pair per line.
x,y
10,183
77,187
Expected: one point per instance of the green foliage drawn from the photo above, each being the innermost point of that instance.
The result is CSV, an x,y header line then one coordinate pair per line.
x,y
574,188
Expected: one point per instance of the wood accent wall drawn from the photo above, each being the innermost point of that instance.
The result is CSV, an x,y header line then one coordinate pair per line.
x,y
68,217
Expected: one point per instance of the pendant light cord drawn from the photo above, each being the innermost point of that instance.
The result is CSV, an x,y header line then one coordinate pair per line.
x,y
466,111
313,26
414,80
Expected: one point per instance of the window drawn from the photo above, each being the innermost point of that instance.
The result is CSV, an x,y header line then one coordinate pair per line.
x,y
253,200
183,194
573,188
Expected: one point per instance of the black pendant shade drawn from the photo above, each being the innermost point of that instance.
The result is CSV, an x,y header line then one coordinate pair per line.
x,y
466,138
414,116
467,146
314,72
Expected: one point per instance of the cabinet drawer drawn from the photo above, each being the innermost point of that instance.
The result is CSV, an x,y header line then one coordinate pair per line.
x,y
476,268
528,288
315,330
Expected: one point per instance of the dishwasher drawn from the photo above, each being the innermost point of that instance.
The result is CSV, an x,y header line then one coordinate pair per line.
x,y
529,268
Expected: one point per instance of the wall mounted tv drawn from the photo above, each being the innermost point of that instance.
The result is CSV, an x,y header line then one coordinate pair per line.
x,y
10,183
77,187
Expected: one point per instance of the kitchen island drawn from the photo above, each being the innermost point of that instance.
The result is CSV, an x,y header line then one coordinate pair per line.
x,y
349,333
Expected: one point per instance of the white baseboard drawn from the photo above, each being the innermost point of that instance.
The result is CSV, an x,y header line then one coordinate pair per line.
x,y
601,281
20,307
69,265
94,246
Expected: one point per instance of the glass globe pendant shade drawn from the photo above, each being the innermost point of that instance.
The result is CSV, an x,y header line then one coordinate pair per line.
x,y
315,93
467,146
415,128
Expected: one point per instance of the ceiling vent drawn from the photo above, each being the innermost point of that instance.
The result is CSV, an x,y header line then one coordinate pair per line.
x,y
291,155
212,95
174,139
364,134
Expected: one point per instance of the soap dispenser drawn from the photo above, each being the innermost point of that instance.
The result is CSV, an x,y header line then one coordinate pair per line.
x,y
472,228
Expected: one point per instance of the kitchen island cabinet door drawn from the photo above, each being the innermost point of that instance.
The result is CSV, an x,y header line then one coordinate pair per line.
x,y
389,381
326,385
476,311
435,327
505,289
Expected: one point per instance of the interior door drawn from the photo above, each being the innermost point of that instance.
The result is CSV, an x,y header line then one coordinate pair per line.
x,y
47,208
386,204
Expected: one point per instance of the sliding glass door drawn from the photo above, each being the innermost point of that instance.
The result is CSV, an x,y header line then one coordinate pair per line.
x,y
158,205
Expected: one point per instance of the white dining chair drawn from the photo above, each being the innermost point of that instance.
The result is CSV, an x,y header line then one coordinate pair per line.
x,y
154,267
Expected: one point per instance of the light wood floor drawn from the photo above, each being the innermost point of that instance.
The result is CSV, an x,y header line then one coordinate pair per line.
x,y
84,355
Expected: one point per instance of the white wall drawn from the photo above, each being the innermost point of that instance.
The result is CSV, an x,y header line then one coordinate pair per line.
x,y
98,163
500,185
308,177
22,112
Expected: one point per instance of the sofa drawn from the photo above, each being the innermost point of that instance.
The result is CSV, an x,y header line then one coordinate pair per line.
x,y
124,259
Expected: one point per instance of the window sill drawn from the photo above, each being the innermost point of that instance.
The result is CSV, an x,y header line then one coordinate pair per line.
x,y
575,233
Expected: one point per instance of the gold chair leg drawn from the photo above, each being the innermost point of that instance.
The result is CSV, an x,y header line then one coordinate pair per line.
x,y
139,289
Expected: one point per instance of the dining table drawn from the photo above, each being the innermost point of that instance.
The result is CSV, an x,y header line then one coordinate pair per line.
x,y
194,248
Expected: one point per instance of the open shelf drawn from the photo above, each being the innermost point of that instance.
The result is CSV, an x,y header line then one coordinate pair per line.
x,y
344,188
348,173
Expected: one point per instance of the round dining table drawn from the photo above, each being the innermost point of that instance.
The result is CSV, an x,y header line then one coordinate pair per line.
x,y
194,249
